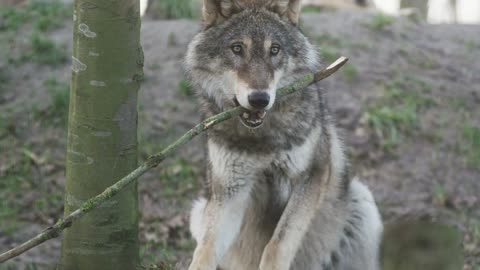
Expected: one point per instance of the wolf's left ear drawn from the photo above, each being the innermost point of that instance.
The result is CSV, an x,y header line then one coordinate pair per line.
x,y
216,11
289,9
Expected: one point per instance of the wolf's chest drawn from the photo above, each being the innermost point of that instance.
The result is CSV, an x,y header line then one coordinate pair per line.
x,y
238,166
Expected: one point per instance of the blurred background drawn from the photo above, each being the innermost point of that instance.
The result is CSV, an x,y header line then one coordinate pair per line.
x,y
408,104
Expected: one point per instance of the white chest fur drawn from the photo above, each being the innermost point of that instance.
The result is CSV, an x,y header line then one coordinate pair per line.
x,y
241,166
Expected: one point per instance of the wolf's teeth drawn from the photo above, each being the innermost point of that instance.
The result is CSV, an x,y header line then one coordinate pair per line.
x,y
246,115
261,114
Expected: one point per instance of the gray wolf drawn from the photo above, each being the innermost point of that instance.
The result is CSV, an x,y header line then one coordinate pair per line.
x,y
280,195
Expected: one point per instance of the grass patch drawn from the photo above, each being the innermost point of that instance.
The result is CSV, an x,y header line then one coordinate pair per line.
x,y
380,21
26,191
440,195
56,113
5,128
45,51
471,239
15,180
471,145
178,178
390,122
394,116
312,9
471,46
172,40
4,79
155,66
12,266
51,201
350,72
425,245
328,47
45,15
174,9
157,255
184,88
328,53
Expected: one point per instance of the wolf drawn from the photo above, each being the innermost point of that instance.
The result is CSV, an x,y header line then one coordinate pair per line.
x,y
279,193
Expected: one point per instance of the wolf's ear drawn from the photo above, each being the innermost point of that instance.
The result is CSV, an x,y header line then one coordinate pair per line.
x,y
289,9
216,11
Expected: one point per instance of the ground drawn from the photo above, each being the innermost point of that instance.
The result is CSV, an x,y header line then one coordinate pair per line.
x,y
407,105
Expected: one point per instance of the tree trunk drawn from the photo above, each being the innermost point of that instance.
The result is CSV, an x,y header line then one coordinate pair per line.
x,y
440,11
102,134
468,11
421,5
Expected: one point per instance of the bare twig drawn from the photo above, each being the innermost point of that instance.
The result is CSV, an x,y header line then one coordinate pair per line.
x,y
55,230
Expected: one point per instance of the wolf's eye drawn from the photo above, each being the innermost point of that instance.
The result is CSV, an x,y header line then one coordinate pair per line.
x,y
237,49
274,50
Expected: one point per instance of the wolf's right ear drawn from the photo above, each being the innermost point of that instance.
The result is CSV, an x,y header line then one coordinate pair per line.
x,y
289,9
216,11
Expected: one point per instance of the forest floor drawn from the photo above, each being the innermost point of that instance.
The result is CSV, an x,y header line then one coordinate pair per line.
x,y
408,105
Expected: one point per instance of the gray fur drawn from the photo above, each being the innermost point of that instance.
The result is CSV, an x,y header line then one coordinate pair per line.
x,y
262,182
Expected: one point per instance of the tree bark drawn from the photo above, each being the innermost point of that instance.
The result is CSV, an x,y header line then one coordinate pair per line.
x,y
107,66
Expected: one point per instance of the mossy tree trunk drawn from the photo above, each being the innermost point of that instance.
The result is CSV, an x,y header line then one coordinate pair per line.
x,y
107,66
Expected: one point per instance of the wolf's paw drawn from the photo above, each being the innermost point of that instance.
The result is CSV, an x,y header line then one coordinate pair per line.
x,y
203,259
201,266
273,259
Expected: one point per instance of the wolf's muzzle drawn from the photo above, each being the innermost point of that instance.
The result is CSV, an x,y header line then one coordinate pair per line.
x,y
259,100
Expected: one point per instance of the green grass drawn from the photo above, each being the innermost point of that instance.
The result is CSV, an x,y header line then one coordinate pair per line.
x,y
312,9
390,123
328,46
184,88
45,51
440,195
4,79
380,21
394,116
49,202
174,9
471,145
156,255
471,239
172,40
25,191
328,53
45,15
350,72
421,245
178,178
155,66
14,181
471,45
56,113
5,124
13,266
35,18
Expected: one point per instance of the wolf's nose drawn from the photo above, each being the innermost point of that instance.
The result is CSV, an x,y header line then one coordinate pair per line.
x,y
259,100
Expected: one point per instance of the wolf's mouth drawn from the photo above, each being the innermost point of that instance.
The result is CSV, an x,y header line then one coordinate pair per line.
x,y
252,119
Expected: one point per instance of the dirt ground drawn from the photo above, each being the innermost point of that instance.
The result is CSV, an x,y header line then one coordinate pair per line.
x,y
408,105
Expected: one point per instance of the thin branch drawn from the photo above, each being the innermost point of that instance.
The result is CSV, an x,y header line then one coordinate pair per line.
x,y
55,230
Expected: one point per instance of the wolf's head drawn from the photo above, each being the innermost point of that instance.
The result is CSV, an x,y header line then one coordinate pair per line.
x,y
246,51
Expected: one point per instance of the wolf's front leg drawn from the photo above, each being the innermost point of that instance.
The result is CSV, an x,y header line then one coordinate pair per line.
x,y
296,218
218,222
219,225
